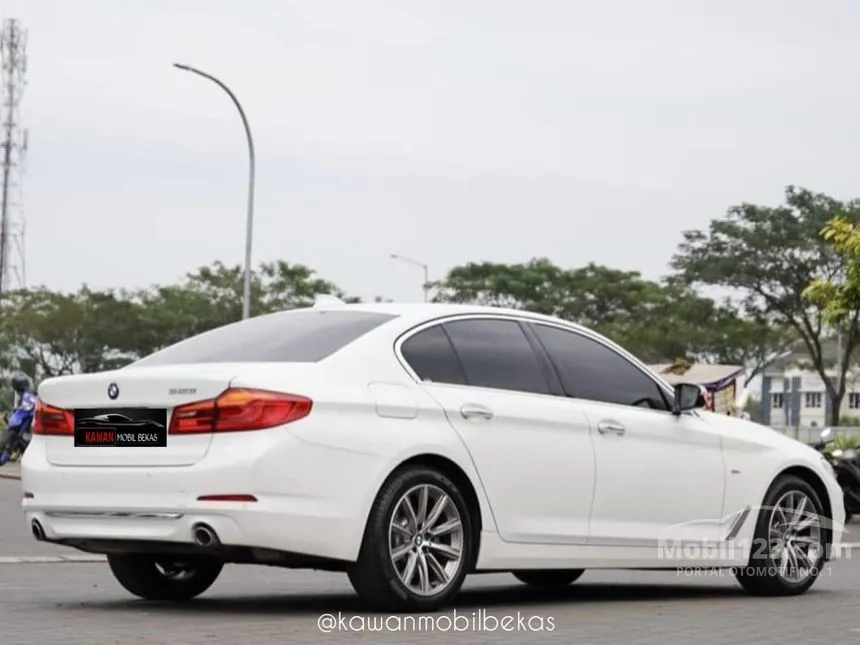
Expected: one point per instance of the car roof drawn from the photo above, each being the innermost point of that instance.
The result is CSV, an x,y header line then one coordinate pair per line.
x,y
410,314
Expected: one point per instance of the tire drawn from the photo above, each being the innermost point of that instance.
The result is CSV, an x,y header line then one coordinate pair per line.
x,y
763,576
149,576
7,440
391,544
549,578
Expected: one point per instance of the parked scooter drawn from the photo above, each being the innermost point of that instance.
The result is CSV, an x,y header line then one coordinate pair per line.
x,y
16,437
846,464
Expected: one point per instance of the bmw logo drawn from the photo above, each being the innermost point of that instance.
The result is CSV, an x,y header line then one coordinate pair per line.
x,y
113,390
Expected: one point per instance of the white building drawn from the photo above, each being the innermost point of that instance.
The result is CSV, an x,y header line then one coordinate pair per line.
x,y
793,394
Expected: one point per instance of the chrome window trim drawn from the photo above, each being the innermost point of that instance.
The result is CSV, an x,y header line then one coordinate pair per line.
x,y
535,320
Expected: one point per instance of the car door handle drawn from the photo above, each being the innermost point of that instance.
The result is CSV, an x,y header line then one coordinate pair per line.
x,y
606,427
472,411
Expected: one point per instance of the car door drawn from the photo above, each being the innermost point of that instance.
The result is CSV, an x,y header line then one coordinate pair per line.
x,y
659,476
531,448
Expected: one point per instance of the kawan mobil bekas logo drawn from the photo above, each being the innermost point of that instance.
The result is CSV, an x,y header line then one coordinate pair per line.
x,y
794,536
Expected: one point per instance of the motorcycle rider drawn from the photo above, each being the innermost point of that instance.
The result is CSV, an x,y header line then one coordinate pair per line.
x,y
21,419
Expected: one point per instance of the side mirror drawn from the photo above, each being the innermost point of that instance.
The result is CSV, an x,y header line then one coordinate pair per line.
x,y
688,396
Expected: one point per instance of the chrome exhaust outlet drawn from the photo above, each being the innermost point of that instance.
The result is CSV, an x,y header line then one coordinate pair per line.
x,y
38,531
204,535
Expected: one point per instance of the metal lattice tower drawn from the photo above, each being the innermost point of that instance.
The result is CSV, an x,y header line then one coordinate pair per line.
x,y
13,150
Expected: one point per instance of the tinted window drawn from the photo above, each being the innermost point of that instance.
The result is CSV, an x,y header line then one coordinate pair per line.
x,y
301,336
590,370
496,354
430,354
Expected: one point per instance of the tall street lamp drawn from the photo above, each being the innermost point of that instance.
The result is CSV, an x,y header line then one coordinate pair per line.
x,y
426,286
249,227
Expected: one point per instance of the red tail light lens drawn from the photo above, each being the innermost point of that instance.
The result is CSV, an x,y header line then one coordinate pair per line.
x,y
49,420
239,410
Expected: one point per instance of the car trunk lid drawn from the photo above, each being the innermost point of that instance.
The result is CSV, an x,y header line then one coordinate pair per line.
x,y
138,392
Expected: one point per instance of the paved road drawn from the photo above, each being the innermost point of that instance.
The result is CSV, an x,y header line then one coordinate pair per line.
x,y
15,537
76,603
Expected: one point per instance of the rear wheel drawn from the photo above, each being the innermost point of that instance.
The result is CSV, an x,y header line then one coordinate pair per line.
x,y
8,439
417,547
789,547
164,577
549,578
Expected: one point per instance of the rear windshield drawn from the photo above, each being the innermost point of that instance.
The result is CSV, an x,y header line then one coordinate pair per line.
x,y
300,336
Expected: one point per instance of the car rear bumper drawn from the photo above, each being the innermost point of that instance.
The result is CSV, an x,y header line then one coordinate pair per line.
x,y
311,499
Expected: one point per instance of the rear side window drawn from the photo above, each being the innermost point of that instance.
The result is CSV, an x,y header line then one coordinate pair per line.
x,y
430,355
496,354
299,336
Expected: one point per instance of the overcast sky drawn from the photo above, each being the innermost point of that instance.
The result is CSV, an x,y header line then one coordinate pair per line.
x,y
449,131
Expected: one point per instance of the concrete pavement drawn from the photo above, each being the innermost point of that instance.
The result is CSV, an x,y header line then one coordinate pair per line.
x,y
10,471
81,604
50,598
16,542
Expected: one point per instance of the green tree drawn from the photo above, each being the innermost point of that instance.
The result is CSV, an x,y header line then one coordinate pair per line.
x,y
771,255
657,322
48,334
51,334
211,297
838,295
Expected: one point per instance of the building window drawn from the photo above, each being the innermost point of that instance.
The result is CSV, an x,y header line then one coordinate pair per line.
x,y
777,400
812,399
854,400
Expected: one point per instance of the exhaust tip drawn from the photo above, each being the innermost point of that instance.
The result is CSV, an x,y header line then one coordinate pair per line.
x,y
38,531
204,535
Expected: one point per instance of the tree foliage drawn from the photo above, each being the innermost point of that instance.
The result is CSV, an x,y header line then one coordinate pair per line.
x,y
839,296
660,322
50,334
771,255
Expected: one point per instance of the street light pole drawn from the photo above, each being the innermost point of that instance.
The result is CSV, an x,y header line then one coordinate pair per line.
x,y
423,266
249,226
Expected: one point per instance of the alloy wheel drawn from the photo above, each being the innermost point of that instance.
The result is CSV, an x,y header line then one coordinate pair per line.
x,y
425,540
795,537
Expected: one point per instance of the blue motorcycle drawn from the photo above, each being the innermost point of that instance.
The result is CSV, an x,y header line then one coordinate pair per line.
x,y
16,437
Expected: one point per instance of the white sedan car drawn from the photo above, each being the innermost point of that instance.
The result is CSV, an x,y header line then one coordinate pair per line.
x,y
412,445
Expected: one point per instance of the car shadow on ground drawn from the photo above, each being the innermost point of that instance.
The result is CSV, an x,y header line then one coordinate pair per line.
x,y
470,600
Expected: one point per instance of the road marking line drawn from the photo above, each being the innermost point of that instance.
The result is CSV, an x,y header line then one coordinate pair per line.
x,y
86,557
50,559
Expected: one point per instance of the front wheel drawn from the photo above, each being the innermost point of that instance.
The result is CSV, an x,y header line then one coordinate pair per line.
x,y
549,578
164,577
789,547
417,546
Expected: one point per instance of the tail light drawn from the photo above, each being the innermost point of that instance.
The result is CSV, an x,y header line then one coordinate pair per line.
x,y
49,420
238,410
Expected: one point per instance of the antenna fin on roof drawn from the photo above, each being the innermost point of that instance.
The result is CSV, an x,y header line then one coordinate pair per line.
x,y
327,300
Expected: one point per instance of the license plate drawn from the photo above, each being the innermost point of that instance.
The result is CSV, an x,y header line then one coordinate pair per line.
x,y
121,428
